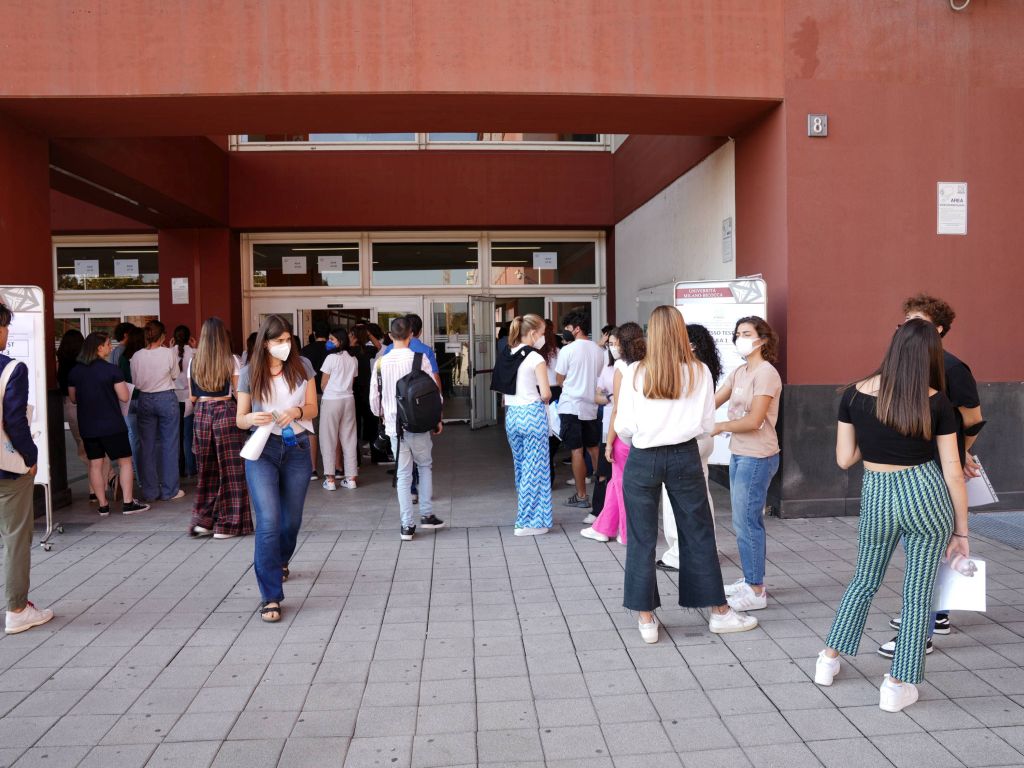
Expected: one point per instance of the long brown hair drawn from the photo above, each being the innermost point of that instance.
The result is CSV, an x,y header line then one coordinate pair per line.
x,y
668,352
154,331
912,364
261,381
213,363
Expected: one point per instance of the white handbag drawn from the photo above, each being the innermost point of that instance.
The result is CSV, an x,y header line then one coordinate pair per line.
x,y
10,459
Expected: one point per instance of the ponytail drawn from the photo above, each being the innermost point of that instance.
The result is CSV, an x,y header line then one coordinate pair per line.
x,y
522,325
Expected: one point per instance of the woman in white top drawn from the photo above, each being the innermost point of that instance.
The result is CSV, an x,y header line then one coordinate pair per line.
x,y
626,345
277,387
665,402
526,424
154,370
338,410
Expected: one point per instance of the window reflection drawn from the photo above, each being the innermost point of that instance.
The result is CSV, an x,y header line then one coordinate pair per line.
x,y
428,264
305,264
515,137
326,138
517,263
107,268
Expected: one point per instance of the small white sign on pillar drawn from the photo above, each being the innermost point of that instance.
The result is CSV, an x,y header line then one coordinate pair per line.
x,y
179,290
727,247
952,208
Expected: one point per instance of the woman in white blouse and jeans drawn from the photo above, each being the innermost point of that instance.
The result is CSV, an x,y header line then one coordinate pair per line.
x,y
277,382
154,370
665,402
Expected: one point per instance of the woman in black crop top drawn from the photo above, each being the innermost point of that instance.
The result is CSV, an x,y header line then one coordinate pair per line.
x,y
892,421
221,507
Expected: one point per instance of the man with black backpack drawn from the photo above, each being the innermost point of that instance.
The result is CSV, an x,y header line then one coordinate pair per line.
x,y
405,394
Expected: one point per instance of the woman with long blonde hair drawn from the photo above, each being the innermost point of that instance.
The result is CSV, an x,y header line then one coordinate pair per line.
x,y
667,401
221,506
526,422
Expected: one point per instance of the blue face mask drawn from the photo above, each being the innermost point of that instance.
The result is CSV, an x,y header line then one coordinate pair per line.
x,y
331,345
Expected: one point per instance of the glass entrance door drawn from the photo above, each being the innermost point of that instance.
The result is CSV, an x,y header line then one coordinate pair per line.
x,y
560,306
449,337
482,349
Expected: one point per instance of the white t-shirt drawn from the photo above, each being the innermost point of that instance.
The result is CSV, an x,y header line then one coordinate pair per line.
x,y
526,379
181,380
552,373
342,368
581,363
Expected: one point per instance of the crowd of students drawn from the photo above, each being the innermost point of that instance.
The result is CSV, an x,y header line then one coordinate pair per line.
x,y
649,400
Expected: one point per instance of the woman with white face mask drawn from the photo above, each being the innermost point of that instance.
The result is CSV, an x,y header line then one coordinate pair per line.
x,y
277,387
753,391
526,424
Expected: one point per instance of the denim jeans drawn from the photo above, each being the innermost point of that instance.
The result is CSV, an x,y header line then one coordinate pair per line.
x,y
132,421
678,468
749,478
187,463
416,447
277,482
158,444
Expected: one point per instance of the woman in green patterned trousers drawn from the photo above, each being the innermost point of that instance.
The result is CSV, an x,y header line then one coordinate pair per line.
x,y
896,421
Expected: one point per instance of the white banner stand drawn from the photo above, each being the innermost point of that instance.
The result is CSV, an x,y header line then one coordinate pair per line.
x,y
26,343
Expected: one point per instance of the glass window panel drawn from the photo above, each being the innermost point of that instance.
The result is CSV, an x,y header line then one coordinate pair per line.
x,y
327,138
62,325
107,267
428,264
512,263
591,138
305,264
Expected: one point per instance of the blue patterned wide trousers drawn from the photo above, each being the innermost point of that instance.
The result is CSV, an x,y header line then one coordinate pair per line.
x,y
912,503
527,430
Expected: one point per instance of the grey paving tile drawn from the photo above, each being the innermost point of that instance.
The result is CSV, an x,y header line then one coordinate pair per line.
x,y
440,750
505,715
77,730
554,713
941,715
716,758
380,752
496,746
872,721
195,754
313,753
635,738
503,689
24,731
446,718
698,734
849,753
782,756
980,747
385,721
263,725
257,753
910,750
119,756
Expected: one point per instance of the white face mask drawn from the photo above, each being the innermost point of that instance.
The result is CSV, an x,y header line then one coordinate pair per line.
x,y
280,351
614,349
745,346
538,343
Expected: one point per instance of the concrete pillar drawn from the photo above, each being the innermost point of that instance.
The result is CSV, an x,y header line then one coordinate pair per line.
x,y
26,256
209,260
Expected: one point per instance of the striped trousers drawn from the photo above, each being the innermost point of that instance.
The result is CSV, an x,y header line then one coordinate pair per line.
x,y
914,504
527,430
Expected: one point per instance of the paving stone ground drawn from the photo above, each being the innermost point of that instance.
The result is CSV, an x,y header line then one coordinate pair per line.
x,y
470,646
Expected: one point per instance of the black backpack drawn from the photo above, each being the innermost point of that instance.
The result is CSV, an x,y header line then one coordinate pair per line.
x,y
506,369
418,399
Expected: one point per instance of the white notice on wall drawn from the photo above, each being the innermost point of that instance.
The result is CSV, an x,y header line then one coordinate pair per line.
x,y
293,265
126,267
328,263
179,290
952,208
727,240
87,267
545,259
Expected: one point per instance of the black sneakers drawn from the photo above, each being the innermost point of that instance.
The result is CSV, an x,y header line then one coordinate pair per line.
x,y
432,521
133,508
408,531
888,650
942,626
104,510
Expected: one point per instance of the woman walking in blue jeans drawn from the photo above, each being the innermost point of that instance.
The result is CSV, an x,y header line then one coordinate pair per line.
x,y
753,391
277,387
153,372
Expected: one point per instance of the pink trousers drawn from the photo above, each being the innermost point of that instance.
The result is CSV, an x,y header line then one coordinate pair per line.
x,y
612,520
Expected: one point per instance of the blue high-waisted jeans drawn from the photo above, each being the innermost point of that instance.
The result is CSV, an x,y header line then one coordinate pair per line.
x,y
749,478
277,482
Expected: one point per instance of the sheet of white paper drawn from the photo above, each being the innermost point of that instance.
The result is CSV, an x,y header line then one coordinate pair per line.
x,y
87,267
126,406
554,422
329,264
126,267
293,265
956,592
257,441
179,290
980,491
545,259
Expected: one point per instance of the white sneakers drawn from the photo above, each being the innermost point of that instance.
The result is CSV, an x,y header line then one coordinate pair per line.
x,y
531,531
28,618
329,484
649,632
744,598
350,483
731,621
730,589
895,696
825,669
590,533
